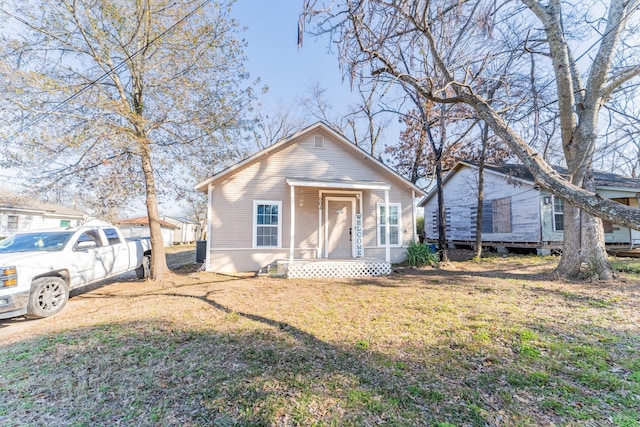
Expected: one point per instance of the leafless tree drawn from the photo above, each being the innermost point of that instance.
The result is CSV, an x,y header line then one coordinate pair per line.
x,y
363,122
123,93
453,51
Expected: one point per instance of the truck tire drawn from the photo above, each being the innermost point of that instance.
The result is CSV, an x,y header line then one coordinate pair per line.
x,y
144,270
48,296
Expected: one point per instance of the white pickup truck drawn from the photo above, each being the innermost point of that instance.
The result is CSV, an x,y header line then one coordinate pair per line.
x,y
38,268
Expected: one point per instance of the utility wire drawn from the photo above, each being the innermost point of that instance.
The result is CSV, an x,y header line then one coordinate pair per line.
x,y
42,116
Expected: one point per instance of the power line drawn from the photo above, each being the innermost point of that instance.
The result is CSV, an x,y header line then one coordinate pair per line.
x,y
42,116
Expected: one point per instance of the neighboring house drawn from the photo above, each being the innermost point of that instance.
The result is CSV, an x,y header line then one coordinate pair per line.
x,y
187,231
314,201
20,213
139,227
516,212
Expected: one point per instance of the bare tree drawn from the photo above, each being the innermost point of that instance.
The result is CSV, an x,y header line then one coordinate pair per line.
x,y
452,52
363,122
272,126
124,92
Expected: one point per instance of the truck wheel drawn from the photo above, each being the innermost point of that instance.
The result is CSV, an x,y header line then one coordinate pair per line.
x,y
144,270
48,296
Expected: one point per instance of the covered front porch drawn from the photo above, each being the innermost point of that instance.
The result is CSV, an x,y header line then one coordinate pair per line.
x,y
344,225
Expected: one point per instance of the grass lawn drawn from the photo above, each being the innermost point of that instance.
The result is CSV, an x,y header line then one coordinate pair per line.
x,y
495,342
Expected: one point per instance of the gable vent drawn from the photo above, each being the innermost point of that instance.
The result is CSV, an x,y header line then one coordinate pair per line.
x,y
318,142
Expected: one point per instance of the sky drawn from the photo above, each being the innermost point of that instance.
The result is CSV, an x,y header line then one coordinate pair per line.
x,y
273,55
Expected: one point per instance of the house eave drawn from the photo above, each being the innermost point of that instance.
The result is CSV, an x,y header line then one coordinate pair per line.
x,y
351,185
203,185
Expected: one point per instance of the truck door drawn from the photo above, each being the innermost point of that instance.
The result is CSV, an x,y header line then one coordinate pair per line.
x,y
116,255
87,259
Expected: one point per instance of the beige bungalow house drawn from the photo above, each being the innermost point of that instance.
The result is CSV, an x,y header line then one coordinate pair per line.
x,y
315,205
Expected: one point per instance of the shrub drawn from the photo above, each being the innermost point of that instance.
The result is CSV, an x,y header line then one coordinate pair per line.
x,y
420,254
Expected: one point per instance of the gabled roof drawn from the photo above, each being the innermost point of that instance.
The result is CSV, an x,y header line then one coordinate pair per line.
x,y
602,179
285,142
143,220
10,201
520,173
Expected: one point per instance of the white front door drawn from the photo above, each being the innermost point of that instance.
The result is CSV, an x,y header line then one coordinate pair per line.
x,y
339,221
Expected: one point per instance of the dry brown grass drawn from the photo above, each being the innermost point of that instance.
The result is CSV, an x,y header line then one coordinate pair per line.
x,y
474,343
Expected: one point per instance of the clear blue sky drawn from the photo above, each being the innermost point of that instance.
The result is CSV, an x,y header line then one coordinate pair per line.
x,y
273,54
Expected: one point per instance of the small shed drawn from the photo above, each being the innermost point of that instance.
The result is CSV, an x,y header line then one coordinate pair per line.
x,y
139,227
188,231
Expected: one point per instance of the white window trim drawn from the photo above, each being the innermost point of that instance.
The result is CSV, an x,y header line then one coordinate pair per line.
x,y
553,214
10,224
378,224
255,223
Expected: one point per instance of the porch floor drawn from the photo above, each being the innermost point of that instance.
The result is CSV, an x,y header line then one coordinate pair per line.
x,y
339,268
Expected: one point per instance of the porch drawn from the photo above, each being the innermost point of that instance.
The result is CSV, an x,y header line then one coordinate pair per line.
x,y
321,268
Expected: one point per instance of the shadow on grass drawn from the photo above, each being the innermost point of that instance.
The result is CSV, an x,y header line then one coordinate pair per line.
x,y
255,370
153,373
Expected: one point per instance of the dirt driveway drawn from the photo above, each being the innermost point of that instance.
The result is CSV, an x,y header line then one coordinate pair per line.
x,y
178,258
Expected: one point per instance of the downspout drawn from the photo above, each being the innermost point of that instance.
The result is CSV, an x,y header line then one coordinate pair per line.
x,y
207,261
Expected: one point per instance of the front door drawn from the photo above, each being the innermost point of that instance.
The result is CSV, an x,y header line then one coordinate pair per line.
x,y
339,227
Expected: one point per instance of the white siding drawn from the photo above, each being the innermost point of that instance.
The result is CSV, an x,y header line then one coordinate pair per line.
x,y
33,222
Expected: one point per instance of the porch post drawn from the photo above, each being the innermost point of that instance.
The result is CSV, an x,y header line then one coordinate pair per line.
x,y
387,248
413,216
207,259
292,192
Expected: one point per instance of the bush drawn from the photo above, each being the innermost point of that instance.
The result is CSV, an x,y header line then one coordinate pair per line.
x,y
419,255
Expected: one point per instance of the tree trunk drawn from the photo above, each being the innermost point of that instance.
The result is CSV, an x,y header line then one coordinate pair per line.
x,y
479,210
584,254
442,218
158,258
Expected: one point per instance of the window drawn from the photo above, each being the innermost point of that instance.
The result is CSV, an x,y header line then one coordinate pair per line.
x,y
112,236
501,210
496,215
394,224
89,236
558,214
267,223
607,226
12,222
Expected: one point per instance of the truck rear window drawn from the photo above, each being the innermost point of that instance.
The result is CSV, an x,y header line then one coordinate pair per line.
x,y
112,236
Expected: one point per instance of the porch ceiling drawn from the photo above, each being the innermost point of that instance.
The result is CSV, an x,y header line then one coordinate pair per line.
x,y
338,183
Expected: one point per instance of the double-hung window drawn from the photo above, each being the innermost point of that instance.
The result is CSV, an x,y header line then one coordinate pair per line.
x,y
558,214
267,224
394,224
12,222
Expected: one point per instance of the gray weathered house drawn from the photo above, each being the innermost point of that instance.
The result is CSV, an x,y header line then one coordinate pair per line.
x,y
516,212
